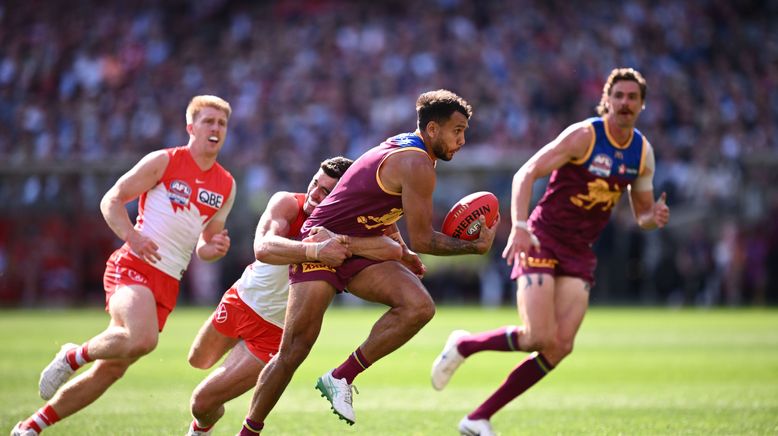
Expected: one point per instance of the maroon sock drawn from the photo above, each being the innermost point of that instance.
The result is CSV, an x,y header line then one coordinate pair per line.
x,y
502,339
251,428
349,369
526,374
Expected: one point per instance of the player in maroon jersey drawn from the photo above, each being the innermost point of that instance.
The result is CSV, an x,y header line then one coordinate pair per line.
x,y
591,164
395,178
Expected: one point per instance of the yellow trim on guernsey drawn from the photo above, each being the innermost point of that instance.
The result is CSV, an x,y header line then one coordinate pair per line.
x,y
613,141
378,179
589,150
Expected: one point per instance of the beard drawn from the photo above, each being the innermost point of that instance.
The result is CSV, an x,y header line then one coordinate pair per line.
x,y
439,150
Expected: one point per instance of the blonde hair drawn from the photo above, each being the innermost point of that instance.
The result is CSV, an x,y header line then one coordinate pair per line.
x,y
202,101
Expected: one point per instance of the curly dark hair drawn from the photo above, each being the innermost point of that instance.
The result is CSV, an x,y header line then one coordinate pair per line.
x,y
439,106
617,75
336,166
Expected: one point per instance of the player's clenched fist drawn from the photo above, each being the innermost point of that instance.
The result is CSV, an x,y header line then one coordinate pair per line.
x,y
220,243
214,249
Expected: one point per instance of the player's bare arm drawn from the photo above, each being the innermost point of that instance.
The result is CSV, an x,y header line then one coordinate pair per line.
x,y
649,214
214,241
571,144
272,246
415,176
409,257
139,179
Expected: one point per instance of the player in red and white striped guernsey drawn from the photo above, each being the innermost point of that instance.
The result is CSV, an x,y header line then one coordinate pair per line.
x,y
184,199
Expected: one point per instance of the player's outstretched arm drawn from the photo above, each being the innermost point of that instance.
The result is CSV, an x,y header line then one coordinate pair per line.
x,y
139,179
272,246
571,144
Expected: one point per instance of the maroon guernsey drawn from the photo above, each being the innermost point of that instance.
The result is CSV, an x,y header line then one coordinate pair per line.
x,y
577,204
581,194
360,205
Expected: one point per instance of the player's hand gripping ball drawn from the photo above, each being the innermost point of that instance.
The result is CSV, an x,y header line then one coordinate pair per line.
x,y
462,220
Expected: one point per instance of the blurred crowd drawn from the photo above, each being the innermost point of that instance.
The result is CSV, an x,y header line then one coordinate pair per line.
x,y
88,87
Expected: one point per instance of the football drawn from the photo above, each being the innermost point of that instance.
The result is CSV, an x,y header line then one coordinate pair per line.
x,y
462,220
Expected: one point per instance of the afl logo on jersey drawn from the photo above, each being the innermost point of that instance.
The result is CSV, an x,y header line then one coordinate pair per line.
x,y
210,198
179,192
601,165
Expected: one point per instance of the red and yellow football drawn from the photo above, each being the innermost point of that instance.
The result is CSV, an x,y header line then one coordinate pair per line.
x,y
462,220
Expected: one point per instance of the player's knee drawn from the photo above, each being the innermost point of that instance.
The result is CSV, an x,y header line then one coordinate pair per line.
x,y
111,369
201,405
564,348
200,361
419,311
425,311
543,341
141,347
294,351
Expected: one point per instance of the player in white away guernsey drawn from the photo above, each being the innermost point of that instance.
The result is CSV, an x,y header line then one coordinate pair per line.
x,y
184,198
249,320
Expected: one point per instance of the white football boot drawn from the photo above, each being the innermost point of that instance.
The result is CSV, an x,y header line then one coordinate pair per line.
x,y
339,394
19,431
447,361
475,427
56,374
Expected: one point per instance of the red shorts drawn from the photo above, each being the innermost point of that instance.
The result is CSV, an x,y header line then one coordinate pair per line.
x,y
235,319
124,268
337,277
557,259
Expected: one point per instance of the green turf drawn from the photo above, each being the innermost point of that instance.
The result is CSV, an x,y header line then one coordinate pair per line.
x,y
634,371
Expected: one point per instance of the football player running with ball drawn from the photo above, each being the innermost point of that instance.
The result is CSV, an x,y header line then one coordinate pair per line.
x,y
591,164
389,181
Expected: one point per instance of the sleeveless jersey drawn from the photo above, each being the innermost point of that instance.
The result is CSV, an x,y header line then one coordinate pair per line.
x,y
265,287
175,211
581,194
360,205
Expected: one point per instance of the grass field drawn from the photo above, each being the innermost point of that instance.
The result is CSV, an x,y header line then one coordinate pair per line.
x,y
634,372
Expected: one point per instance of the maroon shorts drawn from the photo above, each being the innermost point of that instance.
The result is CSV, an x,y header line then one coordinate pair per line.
x,y
557,258
124,269
337,277
235,319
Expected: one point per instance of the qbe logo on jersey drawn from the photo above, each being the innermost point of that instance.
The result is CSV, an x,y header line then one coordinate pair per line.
x,y
210,198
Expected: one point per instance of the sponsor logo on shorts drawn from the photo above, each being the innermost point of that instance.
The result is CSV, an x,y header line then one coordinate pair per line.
x,y
209,198
316,266
536,262
135,276
221,313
